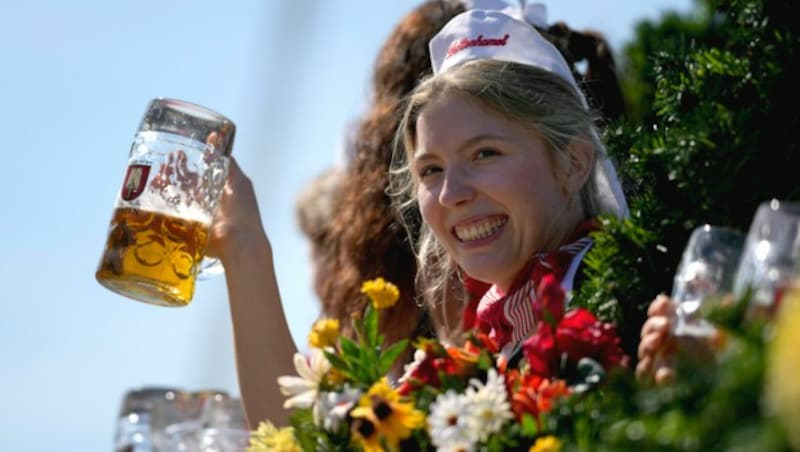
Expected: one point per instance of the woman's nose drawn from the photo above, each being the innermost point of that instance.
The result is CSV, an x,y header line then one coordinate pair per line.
x,y
456,189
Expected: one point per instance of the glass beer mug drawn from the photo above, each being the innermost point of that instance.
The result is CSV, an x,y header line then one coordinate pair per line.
x,y
176,171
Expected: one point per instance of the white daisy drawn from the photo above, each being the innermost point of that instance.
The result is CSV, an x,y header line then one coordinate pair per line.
x,y
488,407
304,389
332,407
458,445
447,423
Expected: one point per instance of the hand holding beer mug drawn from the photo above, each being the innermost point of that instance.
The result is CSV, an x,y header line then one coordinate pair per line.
x,y
176,171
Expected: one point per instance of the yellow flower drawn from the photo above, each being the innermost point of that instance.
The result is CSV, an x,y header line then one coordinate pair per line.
x,y
324,333
783,366
382,388
336,377
366,434
270,438
382,415
382,293
546,444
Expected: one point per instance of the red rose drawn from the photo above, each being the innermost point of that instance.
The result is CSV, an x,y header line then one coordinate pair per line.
x,y
540,351
581,335
550,299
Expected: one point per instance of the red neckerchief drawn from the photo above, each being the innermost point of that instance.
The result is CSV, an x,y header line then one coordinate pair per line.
x,y
509,317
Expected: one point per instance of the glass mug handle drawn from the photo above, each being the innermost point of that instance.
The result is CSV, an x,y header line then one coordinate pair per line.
x,y
210,267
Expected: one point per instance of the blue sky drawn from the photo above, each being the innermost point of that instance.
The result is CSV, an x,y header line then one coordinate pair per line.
x,y
75,79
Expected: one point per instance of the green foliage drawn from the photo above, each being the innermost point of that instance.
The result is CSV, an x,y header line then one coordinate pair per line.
x,y
673,34
716,122
364,361
306,435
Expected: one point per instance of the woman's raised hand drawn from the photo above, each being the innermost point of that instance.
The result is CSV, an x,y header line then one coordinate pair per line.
x,y
237,220
657,347
660,347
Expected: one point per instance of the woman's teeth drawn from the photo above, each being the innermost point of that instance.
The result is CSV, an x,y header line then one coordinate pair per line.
x,y
479,230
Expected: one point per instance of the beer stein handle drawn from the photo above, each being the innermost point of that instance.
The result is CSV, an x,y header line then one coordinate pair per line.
x,y
210,268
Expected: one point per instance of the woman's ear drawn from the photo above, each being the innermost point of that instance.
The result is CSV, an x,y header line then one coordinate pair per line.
x,y
581,157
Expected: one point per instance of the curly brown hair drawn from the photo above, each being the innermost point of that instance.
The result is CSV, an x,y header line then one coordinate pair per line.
x,y
366,241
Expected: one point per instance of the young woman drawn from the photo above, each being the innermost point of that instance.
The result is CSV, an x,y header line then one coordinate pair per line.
x,y
527,224
364,239
502,158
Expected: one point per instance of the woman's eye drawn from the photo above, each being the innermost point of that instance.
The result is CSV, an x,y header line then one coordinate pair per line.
x,y
429,170
485,153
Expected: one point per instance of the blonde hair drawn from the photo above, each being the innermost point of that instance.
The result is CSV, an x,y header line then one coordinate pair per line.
x,y
535,98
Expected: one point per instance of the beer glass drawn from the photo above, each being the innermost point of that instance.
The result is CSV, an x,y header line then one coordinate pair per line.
x,y
706,270
134,431
176,407
176,171
212,421
771,259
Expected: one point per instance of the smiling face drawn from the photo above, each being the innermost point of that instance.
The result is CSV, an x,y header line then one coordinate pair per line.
x,y
488,189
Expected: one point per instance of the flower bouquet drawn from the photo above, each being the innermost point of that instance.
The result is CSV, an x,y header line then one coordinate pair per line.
x,y
475,396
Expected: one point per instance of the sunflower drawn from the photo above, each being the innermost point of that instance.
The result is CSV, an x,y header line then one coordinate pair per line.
x,y
381,414
366,433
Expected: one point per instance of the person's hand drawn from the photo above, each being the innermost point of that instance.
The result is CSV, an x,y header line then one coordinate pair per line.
x,y
237,220
657,347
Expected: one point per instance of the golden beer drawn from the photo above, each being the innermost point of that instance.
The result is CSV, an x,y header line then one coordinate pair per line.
x,y
152,257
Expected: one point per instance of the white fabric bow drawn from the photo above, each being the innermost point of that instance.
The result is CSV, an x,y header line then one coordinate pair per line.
x,y
533,13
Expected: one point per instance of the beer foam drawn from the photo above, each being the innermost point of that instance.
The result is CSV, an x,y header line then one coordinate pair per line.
x,y
174,161
162,202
